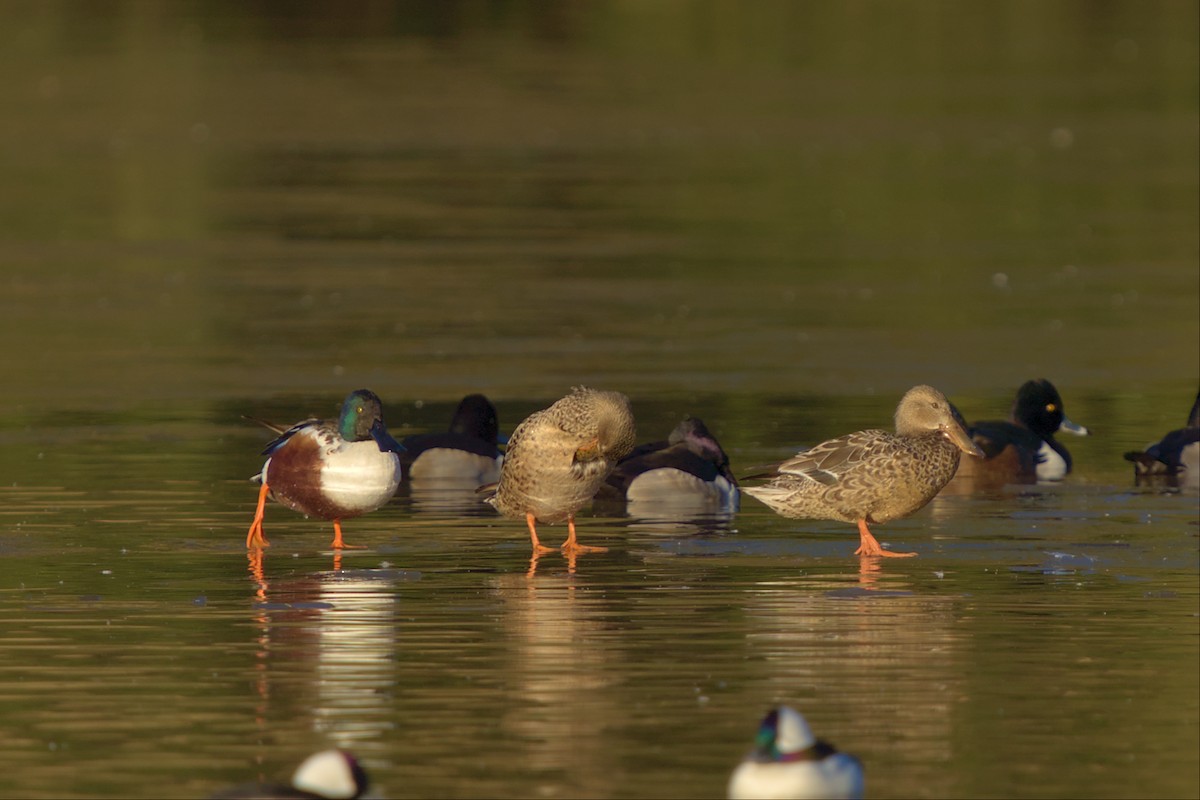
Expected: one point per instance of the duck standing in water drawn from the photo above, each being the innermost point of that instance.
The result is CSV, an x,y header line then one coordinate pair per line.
x,y
327,775
1177,453
1023,449
469,452
558,457
789,762
690,463
332,469
873,476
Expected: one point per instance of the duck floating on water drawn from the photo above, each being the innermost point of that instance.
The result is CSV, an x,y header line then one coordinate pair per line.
x,y
332,469
1176,455
327,775
468,452
689,465
558,457
873,476
1023,449
788,761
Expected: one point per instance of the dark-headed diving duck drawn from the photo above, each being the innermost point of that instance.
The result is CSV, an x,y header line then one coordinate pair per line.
x,y
468,453
788,761
558,457
333,469
1176,454
873,476
1023,448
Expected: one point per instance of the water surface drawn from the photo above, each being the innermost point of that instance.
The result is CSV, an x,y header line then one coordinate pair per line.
x,y
777,221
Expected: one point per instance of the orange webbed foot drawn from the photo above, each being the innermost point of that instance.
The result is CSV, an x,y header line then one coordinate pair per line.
x,y
572,548
869,546
338,543
255,537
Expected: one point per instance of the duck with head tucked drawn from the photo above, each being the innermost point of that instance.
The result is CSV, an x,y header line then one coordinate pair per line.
x,y
689,464
1176,455
873,476
469,452
333,469
558,457
1022,449
789,763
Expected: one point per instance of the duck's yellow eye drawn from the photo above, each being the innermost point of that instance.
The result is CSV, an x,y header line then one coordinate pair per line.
x,y
1051,407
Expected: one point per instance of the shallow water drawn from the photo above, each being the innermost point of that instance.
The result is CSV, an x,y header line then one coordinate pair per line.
x,y
776,222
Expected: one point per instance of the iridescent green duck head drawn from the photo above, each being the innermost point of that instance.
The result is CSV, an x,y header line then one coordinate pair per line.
x,y
362,419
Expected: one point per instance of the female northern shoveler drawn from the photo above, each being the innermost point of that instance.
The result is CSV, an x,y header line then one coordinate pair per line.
x,y
788,761
328,775
468,453
558,457
689,464
1023,448
874,476
1177,453
332,469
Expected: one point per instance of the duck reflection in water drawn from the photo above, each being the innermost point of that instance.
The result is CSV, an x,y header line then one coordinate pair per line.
x,y
326,644
840,641
562,689
873,476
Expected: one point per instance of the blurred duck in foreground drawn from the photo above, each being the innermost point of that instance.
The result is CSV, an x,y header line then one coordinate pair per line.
x,y
689,466
1023,448
333,469
1176,455
788,761
328,775
558,457
468,453
873,476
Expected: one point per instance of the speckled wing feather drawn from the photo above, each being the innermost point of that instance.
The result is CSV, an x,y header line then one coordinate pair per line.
x,y
831,461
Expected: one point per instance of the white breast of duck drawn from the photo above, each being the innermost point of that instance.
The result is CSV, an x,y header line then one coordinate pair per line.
x,y
1051,465
358,476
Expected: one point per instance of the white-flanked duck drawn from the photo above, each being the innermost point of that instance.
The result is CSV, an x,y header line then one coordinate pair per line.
x,y
789,762
467,453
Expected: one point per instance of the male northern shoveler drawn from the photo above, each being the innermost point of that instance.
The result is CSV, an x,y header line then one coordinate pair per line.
x,y
332,469
327,775
874,476
1023,448
468,453
558,457
689,464
1177,453
788,761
